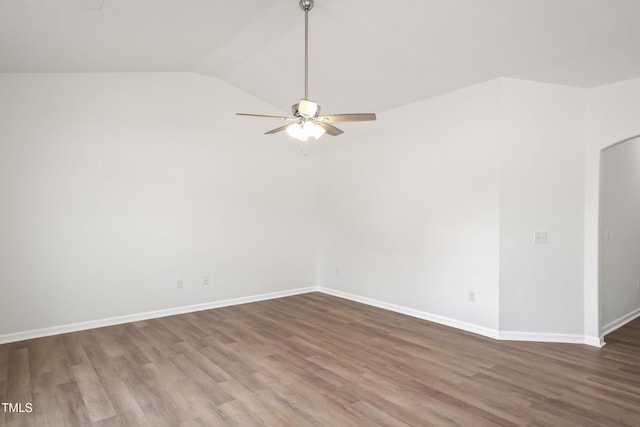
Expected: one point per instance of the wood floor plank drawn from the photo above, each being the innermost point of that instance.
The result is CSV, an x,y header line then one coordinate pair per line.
x,y
18,384
315,360
150,396
98,406
120,396
3,390
202,379
74,345
71,405
286,415
4,362
44,396
374,416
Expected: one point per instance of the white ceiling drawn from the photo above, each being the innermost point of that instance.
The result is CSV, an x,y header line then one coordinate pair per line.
x,y
365,55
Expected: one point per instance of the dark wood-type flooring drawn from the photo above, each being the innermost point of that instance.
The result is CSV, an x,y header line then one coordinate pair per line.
x,y
315,360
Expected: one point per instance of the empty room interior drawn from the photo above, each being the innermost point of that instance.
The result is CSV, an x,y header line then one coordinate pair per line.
x,y
427,213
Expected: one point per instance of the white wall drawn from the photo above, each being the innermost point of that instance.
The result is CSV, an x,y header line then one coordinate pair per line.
x,y
620,232
112,186
443,197
612,116
550,140
542,189
409,207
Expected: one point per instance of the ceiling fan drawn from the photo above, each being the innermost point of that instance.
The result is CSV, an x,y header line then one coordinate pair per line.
x,y
307,121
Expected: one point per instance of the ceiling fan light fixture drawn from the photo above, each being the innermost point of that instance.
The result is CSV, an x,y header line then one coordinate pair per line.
x,y
306,121
302,131
314,129
295,131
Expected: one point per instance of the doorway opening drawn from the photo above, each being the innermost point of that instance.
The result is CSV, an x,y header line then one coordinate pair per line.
x,y
619,240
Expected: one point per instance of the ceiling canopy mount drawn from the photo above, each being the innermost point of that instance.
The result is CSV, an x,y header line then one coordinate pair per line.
x,y
306,5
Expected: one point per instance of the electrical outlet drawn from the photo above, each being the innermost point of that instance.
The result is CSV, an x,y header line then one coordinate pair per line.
x,y
205,281
472,296
179,283
540,237
91,4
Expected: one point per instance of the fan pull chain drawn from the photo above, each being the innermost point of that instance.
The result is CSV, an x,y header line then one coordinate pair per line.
x,y
304,147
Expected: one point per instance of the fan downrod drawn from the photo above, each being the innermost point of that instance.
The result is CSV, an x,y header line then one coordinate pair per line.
x,y
306,5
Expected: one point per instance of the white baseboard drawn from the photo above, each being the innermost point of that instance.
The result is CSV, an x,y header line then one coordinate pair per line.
x,y
469,327
465,326
545,337
74,327
594,341
612,326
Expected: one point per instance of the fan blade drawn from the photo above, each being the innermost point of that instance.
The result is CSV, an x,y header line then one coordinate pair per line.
x,y
359,117
280,129
266,116
331,130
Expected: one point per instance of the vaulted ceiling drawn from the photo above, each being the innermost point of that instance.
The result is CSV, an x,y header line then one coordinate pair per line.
x,y
365,55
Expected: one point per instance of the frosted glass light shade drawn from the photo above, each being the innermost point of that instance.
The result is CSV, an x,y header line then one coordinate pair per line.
x,y
296,131
312,129
304,131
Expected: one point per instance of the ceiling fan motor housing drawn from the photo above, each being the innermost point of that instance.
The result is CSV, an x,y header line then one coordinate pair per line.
x,y
305,108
